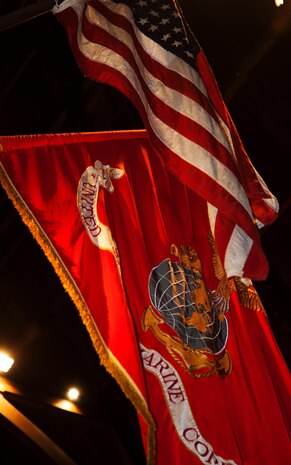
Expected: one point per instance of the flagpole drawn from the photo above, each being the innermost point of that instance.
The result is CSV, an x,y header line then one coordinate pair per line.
x,y
26,14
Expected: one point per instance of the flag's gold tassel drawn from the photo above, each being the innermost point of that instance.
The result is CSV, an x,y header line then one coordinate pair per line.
x,y
248,296
107,359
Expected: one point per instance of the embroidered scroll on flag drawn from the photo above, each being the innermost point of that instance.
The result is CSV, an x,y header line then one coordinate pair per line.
x,y
145,49
133,246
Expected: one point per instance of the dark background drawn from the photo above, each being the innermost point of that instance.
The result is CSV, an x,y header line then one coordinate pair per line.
x,y
248,44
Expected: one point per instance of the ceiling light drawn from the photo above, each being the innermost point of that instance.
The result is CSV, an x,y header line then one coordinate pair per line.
x,y
279,2
73,393
6,362
67,405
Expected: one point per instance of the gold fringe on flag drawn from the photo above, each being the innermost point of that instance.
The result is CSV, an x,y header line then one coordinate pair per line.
x,y
248,296
107,359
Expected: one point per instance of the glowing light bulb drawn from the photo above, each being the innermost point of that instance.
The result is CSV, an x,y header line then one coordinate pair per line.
x,y
67,405
6,362
279,2
73,393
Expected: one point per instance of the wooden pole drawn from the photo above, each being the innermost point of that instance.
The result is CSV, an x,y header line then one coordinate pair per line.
x,y
26,14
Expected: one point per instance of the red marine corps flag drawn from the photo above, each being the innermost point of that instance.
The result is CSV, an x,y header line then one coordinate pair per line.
x,y
133,246
154,235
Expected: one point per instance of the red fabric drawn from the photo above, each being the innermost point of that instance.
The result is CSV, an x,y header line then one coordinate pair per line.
x,y
244,416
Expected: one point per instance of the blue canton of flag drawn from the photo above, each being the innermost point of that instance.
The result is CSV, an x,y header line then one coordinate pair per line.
x,y
164,23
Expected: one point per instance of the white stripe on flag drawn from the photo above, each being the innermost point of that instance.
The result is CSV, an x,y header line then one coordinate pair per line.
x,y
237,252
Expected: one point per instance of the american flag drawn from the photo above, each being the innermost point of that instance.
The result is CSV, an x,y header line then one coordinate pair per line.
x,y
146,50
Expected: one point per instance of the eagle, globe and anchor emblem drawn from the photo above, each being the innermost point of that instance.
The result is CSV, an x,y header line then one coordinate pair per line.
x,y
197,315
